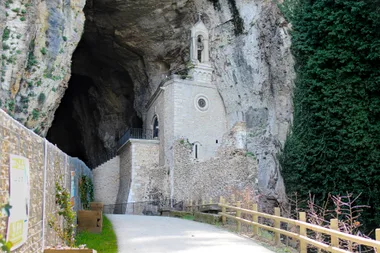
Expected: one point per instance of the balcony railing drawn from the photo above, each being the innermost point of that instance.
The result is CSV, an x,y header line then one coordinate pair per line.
x,y
135,133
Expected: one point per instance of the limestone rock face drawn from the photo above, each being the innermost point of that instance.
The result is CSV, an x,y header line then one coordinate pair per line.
x,y
249,51
128,47
38,39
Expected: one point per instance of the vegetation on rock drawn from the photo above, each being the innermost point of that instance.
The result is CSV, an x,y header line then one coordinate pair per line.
x,y
334,143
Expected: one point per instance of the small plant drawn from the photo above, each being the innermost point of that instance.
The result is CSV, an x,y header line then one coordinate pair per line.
x,y
65,232
64,38
39,82
32,61
22,19
5,46
4,245
86,190
6,34
35,114
16,10
54,89
43,51
23,11
250,154
11,105
41,98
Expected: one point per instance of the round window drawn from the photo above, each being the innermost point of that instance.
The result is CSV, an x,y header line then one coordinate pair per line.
x,y
202,103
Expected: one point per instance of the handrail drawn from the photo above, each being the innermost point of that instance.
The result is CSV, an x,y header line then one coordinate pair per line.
x,y
334,234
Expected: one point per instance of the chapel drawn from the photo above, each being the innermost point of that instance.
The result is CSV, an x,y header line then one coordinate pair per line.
x,y
189,108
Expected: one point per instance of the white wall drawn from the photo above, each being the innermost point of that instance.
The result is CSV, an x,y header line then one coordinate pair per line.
x,y
204,127
144,161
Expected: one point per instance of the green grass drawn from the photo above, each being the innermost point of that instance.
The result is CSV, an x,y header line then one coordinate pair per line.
x,y
188,217
105,242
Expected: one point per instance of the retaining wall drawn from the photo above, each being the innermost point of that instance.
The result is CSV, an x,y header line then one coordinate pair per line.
x,y
47,165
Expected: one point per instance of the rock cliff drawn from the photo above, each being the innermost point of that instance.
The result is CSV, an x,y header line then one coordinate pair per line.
x,y
127,48
38,40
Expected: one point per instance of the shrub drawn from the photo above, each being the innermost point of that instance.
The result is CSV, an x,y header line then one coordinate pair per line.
x,y
6,34
333,146
41,98
66,232
43,51
86,190
5,46
35,114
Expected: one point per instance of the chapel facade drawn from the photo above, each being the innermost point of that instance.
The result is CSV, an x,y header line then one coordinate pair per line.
x,y
189,108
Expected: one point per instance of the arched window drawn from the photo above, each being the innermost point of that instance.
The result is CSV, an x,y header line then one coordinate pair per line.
x,y
200,48
155,127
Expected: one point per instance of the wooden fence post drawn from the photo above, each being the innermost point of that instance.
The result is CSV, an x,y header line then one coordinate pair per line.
x,y
277,212
224,210
378,239
334,239
238,214
303,244
191,205
255,219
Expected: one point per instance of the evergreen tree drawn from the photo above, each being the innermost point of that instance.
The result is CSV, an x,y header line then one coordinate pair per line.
x,y
334,145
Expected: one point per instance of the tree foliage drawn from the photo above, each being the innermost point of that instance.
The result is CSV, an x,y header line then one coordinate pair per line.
x,y
334,145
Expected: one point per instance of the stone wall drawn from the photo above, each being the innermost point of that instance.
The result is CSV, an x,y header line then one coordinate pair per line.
x,y
125,176
144,169
47,165
232,170
107,181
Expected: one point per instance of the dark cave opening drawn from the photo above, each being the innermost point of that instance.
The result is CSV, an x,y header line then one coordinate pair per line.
x,y
64,130
117,66
97,108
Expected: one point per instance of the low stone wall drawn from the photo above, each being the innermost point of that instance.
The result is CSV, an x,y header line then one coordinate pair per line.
x,y
48,164
106,181
233,170
208,218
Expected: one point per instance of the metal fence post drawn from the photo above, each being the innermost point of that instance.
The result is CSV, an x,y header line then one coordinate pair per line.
x,y
44,195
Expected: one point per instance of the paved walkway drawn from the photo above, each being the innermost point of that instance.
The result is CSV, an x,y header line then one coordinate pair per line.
x,y
149,234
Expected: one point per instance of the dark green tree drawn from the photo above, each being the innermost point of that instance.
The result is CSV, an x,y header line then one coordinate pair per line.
x,y
334,144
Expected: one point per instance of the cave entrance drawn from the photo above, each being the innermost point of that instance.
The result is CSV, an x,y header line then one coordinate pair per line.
x,y
97,108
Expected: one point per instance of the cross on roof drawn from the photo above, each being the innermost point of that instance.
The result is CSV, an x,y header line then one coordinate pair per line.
x,y
199,16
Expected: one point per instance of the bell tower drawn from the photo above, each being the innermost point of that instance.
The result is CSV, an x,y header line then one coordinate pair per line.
x,y
200,52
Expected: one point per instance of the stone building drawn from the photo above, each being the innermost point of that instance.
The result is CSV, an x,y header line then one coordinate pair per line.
x,y
189,106
185,149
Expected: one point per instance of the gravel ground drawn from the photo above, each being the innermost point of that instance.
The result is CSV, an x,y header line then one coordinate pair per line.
x,y
150,234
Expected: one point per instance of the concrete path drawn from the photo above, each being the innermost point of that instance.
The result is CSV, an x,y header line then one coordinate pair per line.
x,y
149,234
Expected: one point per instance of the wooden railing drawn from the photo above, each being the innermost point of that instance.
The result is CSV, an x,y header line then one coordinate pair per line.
x,y
301,234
